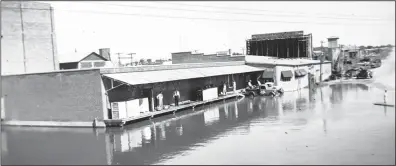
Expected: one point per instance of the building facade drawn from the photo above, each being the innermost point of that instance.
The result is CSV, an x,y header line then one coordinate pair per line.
x,y
293,74
28,40
85,61
78,97
189,57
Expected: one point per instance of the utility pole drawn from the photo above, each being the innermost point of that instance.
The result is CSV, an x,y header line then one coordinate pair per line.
x,y
119,59
321,58
131,54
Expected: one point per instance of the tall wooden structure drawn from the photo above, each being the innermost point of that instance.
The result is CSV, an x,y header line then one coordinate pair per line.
x,y
281,45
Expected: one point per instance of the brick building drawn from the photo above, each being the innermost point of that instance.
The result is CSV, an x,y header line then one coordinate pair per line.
x,y
189,57
28,40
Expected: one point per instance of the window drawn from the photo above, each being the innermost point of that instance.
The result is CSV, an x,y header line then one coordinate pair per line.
x,y
286,75
99,64
285,78
86,65
92,64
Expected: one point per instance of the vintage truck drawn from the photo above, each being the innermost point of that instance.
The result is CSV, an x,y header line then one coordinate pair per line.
x,y
266,89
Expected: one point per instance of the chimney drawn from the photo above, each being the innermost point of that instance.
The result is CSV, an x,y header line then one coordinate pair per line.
x,y
229,52
105,53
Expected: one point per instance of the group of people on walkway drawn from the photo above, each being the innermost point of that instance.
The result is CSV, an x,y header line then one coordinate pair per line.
x,y
160,99
176,96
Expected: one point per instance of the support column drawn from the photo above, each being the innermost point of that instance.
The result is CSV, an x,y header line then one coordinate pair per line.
x,y
151,99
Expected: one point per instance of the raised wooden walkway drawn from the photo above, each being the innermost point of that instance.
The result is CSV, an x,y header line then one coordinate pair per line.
x,y
150,115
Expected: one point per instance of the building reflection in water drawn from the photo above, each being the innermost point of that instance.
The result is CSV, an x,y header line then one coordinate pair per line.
x,y
211,115
179,127
336,93
163,131
4,148
236,109
149,142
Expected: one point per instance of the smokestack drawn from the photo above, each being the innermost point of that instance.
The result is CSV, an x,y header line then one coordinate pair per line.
x,y
105,53
229,52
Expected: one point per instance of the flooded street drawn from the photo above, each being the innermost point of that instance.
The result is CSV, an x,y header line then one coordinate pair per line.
x,y
337,124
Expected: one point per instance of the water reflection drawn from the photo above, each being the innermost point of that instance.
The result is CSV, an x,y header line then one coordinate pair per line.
x,y
169,137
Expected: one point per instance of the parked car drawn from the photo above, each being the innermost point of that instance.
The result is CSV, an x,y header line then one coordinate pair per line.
x,y
266,89
364,74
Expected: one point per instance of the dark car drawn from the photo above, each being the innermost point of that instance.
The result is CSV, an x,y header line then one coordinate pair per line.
x,y
364,74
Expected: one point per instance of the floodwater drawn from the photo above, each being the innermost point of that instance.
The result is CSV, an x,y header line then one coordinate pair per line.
x,y
336,124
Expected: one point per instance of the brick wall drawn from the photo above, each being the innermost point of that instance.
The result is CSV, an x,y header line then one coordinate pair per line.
x,y
28,41
178,58
57,96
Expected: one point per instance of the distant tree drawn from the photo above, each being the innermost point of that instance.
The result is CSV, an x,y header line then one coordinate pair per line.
x,y
170,59
149,61
361,47
389,45
142,61
369,47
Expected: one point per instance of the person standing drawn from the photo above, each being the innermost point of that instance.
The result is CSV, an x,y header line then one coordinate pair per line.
x,y
385,96
250,84
258,82
234,86
176,96
224,88
160,100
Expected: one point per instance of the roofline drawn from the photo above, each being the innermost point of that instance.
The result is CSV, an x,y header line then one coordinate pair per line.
x,y
85,57
95,54
292,65
50,72
169,67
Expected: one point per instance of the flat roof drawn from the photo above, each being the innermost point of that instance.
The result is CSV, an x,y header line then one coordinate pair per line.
x,y
252,59
333,37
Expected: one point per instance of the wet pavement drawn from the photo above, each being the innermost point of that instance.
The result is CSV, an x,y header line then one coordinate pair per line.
x,y
336,124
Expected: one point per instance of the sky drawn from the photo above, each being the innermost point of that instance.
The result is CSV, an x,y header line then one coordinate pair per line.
x,y
156,29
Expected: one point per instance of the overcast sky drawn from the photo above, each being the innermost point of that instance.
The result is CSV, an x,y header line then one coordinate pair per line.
x,y
151,30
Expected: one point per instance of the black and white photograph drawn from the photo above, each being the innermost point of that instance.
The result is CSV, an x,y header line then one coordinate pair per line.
x,y
197,82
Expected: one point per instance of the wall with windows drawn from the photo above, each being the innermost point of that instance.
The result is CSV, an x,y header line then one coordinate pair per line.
x,y
295,83
86,64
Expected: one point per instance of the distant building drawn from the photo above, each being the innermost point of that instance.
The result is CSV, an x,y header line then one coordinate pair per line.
x,y
333,42
189,57
333,49
28,40
85,61
290,74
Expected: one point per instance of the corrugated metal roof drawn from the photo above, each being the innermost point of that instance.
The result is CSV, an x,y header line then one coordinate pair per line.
x,y
146,77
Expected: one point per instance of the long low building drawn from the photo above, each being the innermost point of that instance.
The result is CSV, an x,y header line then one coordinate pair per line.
x,y
80,97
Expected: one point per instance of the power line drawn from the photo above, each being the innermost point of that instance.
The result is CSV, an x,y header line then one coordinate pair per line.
x,y
224,12
195,18
220,7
